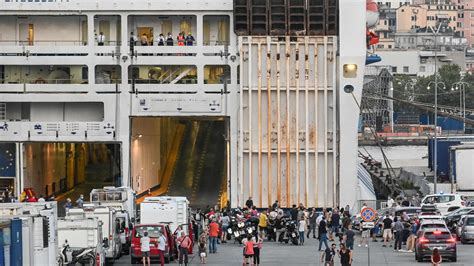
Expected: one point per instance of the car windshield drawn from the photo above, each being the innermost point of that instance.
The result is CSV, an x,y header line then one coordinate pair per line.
x,y
437,235
152,231
424,226
470,221
460,211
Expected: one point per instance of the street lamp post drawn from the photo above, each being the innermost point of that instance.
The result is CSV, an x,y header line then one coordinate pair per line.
x,y
435,163
461,86
435,33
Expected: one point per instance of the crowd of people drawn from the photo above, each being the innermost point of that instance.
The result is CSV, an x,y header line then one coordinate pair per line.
x,y
210,228
161,40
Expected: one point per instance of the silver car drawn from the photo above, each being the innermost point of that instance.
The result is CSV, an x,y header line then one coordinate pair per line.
x,y
467,229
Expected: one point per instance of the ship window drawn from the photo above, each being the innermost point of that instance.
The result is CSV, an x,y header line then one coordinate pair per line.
x,y
216,30
163,74
216,74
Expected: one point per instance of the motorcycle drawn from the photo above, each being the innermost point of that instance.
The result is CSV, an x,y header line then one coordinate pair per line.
x,y
290,233
84,256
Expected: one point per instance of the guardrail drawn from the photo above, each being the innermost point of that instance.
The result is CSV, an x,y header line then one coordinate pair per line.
x,y
43,43
44,81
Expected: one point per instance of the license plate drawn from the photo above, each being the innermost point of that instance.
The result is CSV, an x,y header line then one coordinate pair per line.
x,y
439,248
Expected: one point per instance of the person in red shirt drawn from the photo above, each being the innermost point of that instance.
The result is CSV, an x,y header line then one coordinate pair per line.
x,y
184,243
248,251
213,234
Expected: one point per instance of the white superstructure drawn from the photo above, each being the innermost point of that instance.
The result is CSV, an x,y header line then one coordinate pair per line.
x,y
63,81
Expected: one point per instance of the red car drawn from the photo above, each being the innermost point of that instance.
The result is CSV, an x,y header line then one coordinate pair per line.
x,y
152,229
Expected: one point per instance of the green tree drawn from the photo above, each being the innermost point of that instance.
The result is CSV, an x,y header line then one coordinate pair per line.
x,y
447,95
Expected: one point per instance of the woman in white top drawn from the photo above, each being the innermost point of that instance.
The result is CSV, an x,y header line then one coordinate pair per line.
x,y
301,229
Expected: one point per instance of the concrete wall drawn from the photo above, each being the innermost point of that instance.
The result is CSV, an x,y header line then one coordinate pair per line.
x,y
401,59
45,164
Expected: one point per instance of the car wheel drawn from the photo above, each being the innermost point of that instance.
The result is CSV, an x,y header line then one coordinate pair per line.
x,y
463,240
419,258
167,259
133,260
454,259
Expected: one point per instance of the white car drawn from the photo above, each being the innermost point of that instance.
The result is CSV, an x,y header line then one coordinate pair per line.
x,y
445,203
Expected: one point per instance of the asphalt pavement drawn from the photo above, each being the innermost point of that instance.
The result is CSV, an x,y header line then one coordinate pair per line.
x,y
286,254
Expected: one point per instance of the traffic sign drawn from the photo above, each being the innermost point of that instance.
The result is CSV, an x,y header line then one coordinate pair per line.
x,y
367,214
368,225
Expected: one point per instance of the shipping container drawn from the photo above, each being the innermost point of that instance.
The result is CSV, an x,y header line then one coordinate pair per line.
x,y
462,167
37,230
16,247
287,138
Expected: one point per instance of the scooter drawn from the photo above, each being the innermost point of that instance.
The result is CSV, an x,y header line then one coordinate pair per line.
x,y
84,256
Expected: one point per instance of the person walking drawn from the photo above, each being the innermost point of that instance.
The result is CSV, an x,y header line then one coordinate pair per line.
x,y
213,234
346,255
161,247
312,222
398,228
263,222
411,240
335,222
294,213
225,221
248,251
184,243
365,232
436,258
202,253
257,248
328,255
387,230
301,228
67,205
322,233
349,237
80,201
145,248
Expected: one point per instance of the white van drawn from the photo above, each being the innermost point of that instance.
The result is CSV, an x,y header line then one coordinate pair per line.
x,y
110,229
445,203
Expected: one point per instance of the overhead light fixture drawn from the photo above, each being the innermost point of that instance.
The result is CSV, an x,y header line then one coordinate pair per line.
x,y
139,136
350,70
